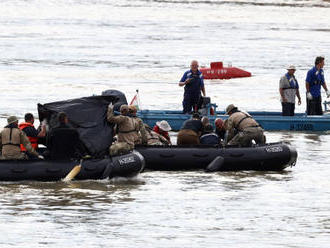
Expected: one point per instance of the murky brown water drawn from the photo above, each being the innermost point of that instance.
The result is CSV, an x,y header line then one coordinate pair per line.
x,y
54,50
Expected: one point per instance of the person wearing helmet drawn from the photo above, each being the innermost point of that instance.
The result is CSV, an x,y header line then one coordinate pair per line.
x,y
193,83
162,128
127,131
314,80
289,89
246,127
11,137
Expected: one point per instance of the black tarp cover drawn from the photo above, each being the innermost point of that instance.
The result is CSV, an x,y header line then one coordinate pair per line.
x,y
89,116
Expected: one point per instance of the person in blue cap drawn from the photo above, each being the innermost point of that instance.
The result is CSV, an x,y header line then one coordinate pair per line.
x,y
193,83
314,80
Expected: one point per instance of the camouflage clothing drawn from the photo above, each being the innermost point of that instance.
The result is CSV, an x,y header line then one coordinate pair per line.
x,y
120,148
242,129
155,138
142,133
10,141
130,131
127,127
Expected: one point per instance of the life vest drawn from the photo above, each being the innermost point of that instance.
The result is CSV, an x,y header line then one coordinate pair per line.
x,y
33,140
10,136
292,82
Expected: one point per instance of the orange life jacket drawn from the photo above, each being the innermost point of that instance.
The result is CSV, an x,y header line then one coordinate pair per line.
x,y
33,140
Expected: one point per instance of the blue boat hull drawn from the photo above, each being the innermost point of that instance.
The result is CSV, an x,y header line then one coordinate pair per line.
x,y
270,121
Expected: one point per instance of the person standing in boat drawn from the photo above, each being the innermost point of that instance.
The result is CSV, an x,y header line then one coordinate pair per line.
x,y
289,89
193,83
11,137
127,131
245,127
314,80
31,132
190,131
162,128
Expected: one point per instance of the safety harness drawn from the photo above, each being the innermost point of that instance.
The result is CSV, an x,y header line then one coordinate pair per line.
x,y
10,141
241,120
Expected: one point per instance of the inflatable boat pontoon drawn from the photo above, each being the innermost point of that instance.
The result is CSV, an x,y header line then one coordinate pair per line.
x,y
269,157
128,165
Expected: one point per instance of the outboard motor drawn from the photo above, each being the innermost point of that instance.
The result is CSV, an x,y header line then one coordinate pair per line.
x,y
128,165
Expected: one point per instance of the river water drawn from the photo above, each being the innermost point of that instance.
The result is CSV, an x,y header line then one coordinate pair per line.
x,y
55,50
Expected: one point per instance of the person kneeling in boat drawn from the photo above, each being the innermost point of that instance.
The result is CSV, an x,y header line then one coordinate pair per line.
x,y
127,131
248,129
63,141
31,132
155,139
11,137
162,128
209,137
190,131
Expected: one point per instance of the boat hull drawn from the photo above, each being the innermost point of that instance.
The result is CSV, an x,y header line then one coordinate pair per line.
x,y
217,71
269,157
270,121
128,165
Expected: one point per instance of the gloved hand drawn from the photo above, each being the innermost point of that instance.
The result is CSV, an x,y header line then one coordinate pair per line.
x,y
328,93
41,157
309,96
110,105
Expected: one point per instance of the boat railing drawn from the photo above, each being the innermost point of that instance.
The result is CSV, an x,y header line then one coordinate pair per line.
x,y
326,106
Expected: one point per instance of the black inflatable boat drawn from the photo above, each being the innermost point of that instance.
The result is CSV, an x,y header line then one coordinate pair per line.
x,y
128,165
269,157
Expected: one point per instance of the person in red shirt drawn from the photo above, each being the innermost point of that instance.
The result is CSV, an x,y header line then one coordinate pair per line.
x,y
162,128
